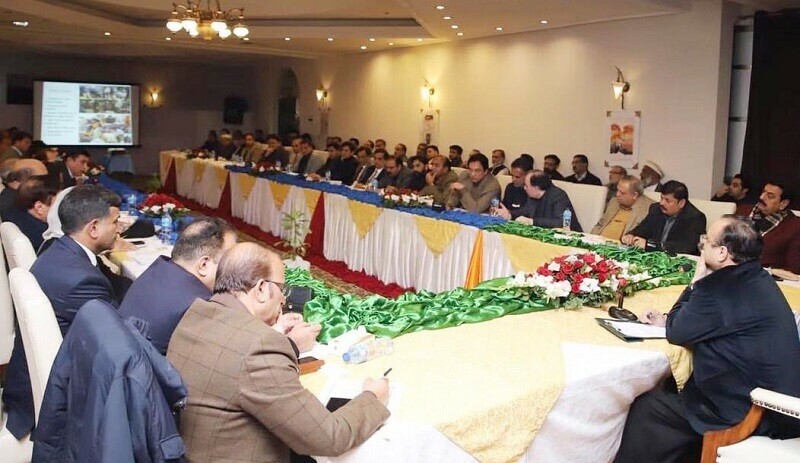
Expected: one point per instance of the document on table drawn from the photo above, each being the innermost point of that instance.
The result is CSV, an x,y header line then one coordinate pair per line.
x,y
632,331
348,388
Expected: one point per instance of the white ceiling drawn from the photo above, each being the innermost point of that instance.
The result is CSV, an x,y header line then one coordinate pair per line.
x,y
138,26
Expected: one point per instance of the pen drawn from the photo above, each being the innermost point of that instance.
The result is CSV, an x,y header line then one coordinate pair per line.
x,y
387,372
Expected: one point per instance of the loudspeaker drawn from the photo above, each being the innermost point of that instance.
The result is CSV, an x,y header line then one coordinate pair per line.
x,y
234,110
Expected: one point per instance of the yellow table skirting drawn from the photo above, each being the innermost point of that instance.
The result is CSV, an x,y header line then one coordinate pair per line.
x,y
438,234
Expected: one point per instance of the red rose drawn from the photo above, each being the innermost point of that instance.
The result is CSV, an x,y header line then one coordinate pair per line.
x,y
543,271
566,267
588,258
623,282
578,278
602,277
576,288
560,276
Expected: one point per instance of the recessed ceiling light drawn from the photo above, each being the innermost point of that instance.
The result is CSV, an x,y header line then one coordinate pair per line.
x,y
419,40
20,23
246,39
543,21
448,18
168,39
106,33
391,43
454,26
330,39
439,7
460,34
498,28
288,39
372,39
363,47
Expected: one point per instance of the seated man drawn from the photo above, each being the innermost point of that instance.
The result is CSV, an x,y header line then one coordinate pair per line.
x,y
400,153
67,273
308,161
515,197
455,156
251,150
545,206
737,191
551,165
626,211
276,154
74,167
438,180
374,172
742,335
778,226
498,163
398,176
21,171
614,175
476,188
252,406
673,225
418,170
30,215
651,175
161,295
580,167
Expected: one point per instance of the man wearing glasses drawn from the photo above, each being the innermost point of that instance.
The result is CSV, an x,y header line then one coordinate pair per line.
x,y
742,335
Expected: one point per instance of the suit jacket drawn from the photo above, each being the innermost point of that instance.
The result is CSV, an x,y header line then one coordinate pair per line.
x,y
589,179
8,200
555,175
548,211
10,153
255,409
252,154
743,336
69,280
110,396
440,190
279,155
160,296
476,198
344,170
315,161
67,180
690,223
782,245
639,211
499,170
401,181
514,197
367,172
417,181
29,225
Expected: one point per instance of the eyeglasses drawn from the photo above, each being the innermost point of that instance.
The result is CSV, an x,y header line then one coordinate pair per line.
x,y
286,291
703,241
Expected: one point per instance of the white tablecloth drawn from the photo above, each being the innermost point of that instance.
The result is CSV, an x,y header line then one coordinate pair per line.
x,y
208,190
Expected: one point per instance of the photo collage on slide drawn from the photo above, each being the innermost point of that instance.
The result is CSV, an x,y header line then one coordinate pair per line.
x,y
105,114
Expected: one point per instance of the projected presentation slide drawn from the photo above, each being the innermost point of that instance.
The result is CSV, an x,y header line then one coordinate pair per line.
x,y
86,114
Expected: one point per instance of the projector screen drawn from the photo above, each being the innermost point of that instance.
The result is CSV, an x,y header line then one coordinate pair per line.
x,y
86,114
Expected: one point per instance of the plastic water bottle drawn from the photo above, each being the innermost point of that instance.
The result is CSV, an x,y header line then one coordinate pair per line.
x,y
360,353
166,228
132,203
374,186
277,165
493,208
566,219
328,176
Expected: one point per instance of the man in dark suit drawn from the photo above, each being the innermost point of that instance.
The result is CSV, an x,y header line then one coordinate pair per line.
x,y
515,196
67,273
398,176
580,167
673,225
74,167
276,154
252,407
551,165
30,215
742,334
545,206
161,295
376,171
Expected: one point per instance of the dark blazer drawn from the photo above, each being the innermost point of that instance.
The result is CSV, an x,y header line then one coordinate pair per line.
x,y
8,200
29,225
684,235
160,296
69,280
417,181
366,173
514,197
743,336
345,170
110,396
554,175
548,211
254,406
401,181
279,155
67,180
589,179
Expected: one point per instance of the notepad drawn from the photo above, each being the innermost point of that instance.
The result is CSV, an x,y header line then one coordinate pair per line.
x,y
632,331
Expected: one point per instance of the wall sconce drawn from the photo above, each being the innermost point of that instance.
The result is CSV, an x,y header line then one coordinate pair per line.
x,y
154,99
426,92
322,97
620,87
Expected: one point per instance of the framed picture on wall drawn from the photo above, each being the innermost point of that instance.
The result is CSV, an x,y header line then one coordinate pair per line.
x,y
623,129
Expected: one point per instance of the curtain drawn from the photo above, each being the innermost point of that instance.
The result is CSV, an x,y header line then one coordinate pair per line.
x,y
772,139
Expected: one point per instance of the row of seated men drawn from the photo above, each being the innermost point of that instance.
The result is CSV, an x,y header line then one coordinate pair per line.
x,y
214,309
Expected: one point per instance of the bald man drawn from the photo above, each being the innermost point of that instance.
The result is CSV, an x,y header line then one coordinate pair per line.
x,y
21,171
252,407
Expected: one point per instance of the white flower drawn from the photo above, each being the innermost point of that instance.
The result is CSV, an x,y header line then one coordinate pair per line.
x,y
169,207
554,267
395,198
541,281
572,258
519,279
590,285
261,169
155,209
406,199
557,290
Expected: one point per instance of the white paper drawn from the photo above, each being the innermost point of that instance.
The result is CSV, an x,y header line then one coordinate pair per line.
x,y
638,330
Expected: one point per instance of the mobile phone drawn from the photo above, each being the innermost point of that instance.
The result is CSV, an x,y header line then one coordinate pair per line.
x,y
137,243
336,403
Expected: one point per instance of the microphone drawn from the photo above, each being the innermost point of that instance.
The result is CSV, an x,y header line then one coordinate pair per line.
x,y
620,313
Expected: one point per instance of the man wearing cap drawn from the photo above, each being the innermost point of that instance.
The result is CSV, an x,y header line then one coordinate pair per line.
x,y
651,176
226,146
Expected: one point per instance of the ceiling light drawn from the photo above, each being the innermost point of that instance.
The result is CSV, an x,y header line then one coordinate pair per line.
x,y
168,39
543,21
439,7
330,39
391,43
246,39
448,18
20,23
206,21
454,26
460,34
106,33
363,47
288,39
371,39
498,28
419,40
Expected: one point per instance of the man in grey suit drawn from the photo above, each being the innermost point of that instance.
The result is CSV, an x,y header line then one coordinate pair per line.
x,y
398,176
308,161
546,204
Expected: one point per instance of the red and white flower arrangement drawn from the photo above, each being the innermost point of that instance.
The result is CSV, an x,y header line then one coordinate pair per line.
x,y
579,279
403,197
156,204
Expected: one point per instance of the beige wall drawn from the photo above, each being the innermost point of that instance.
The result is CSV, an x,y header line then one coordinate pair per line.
x,y
543,92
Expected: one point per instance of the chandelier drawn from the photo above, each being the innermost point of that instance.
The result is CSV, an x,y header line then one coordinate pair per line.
x,y
207,22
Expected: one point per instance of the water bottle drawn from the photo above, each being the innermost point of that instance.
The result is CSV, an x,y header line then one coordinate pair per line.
x,y
566,219
328,176
277,165
493,208
166,228
374,186
132,203
360,353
